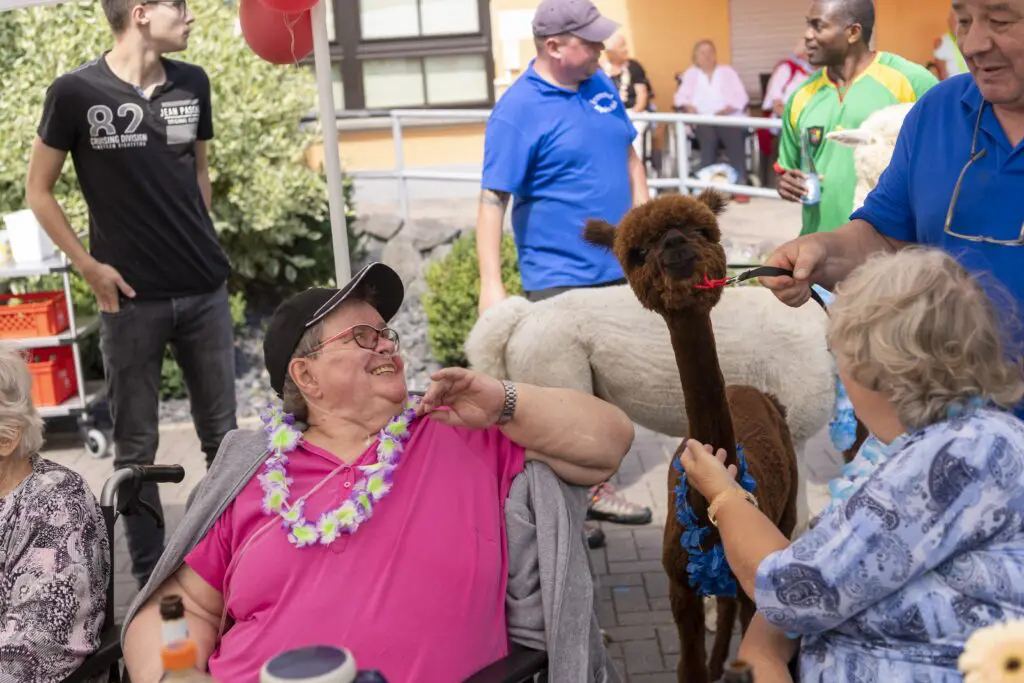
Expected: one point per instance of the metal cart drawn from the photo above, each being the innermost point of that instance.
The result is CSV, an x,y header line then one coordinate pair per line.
x,y
97,443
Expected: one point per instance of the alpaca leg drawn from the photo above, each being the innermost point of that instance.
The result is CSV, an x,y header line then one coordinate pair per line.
x,y
723,636
688,613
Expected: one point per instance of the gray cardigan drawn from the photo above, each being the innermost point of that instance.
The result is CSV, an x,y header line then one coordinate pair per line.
x,y
550,597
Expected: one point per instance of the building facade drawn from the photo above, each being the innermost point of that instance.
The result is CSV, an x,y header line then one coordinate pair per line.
x,y
464,53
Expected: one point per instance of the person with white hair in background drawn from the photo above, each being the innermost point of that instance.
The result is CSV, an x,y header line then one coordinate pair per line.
x,y
54,554
629,77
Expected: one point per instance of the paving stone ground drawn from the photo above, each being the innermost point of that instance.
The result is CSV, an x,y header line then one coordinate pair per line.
x,y
634,605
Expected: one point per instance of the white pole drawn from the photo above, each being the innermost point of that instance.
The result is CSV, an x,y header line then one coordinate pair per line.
x,y
332,158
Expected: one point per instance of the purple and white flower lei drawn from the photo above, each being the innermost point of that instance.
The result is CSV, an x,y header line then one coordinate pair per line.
x,y
283,437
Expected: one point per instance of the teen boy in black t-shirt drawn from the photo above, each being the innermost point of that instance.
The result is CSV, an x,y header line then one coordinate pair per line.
x,y
136,126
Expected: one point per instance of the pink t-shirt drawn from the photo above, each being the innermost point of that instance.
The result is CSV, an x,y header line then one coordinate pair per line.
x,y
418,592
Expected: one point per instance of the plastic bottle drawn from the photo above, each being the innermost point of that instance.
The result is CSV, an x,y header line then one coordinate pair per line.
x,y
738,672
179,661
174,627
813,181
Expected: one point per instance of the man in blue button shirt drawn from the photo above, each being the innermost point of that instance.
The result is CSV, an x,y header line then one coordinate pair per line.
x,y
560,141
955,179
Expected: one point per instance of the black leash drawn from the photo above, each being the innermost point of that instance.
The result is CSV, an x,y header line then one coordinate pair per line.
x,y
771,271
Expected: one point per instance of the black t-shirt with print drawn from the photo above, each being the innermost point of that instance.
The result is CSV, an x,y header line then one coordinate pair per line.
x,y
626,81
136,164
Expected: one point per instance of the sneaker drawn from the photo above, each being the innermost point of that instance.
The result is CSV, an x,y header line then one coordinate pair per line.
x,y
595,537
608,506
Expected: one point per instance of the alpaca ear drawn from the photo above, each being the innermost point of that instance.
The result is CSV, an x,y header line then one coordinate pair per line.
x,y
599,233
852,138
715,200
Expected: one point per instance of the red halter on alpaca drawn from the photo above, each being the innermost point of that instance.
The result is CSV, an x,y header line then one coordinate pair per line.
x,y
714,284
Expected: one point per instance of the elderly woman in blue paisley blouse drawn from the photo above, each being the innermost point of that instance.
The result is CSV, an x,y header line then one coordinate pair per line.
x,y
54,557
892,581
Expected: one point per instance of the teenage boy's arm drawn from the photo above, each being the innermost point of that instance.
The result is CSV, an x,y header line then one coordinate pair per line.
x,y
44,169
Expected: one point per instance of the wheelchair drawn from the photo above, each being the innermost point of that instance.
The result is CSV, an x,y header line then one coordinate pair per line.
x,y
120,496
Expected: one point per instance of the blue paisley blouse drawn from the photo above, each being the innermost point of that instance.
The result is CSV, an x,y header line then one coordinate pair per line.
x,y
54,565
892,581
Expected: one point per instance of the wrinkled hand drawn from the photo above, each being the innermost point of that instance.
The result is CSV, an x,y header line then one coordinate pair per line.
x,y
491,295
105,283
805,256
463,398
706,471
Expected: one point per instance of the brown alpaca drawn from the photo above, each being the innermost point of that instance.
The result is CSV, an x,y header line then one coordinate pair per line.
x,y
666,247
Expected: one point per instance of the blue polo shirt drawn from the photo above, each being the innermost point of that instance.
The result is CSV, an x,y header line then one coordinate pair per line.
x,y
562,154
913,193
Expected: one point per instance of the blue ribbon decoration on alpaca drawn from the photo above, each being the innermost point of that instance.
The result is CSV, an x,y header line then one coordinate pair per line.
x,y
708,570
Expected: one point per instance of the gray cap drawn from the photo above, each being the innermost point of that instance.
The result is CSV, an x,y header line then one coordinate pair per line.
x,y
578,17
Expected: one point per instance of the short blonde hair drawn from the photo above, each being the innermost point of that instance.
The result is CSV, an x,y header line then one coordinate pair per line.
x,y
919,329
19,420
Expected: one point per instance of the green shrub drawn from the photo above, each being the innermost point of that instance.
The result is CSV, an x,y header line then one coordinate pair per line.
x,y
453,295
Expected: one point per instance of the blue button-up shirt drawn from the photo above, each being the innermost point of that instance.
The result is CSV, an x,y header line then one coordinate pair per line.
x,y
913,193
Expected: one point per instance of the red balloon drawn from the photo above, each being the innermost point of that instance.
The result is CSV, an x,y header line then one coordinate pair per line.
x,y
290,6
274,36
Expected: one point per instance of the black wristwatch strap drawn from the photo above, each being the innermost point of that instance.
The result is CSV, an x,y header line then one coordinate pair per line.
x,y
508,410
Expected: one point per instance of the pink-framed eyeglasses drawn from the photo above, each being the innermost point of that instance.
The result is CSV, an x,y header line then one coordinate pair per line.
x,y
365,336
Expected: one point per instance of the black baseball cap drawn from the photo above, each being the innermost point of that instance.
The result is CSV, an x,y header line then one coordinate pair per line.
x,y
297,314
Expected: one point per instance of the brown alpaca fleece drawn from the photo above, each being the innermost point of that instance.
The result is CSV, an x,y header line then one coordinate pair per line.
x,y
668,248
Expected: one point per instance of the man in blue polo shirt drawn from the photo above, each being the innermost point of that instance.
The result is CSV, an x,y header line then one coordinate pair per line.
x,y
955,178
560,141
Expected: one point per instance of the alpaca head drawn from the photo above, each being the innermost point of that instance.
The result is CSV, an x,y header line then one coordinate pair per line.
x,y
873,144
668,248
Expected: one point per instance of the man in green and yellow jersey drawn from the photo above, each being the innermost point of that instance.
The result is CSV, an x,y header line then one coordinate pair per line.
x,y
853,82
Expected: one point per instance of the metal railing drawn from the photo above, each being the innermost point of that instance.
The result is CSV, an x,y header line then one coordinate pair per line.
x,y
677,123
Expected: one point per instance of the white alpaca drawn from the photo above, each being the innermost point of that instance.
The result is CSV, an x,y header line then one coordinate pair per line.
x,y
873,144
603,342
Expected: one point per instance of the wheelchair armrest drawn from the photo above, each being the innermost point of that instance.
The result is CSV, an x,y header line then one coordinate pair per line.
x,y
107,655
521,664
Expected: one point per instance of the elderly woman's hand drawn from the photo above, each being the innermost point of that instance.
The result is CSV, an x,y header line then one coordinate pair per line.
x,y
705,470
463,398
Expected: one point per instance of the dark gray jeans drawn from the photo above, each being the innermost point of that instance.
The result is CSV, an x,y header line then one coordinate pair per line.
x,y
133,341
734,141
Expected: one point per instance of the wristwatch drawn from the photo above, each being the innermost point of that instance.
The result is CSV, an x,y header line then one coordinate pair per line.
x,y
508,410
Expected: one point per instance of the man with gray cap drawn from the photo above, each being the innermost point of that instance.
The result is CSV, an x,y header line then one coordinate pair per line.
x,y
560,141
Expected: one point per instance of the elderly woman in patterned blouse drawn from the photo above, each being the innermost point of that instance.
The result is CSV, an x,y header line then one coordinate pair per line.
x,y
892,581
54,558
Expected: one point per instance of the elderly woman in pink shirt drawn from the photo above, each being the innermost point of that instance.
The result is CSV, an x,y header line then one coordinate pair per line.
x,y
368,518
712,89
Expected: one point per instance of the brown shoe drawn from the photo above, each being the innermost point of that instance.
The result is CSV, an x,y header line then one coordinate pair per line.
x,y
608,506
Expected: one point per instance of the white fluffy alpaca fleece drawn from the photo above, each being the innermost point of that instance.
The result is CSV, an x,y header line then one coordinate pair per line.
x,y
873,144
603,342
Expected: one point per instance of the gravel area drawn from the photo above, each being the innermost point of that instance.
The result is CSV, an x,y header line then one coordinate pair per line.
x,y
252,383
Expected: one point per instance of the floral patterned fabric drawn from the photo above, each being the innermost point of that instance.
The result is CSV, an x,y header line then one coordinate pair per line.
x,y
892,581
54,565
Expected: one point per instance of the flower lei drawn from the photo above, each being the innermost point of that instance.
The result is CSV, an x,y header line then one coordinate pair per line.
x,y
283,437
708,570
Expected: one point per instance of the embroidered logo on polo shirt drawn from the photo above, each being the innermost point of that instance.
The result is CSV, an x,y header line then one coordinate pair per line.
x,y
815,134
103,126
182,118
604,102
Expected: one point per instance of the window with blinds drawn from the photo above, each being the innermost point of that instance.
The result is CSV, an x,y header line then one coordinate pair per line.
x,y
763,34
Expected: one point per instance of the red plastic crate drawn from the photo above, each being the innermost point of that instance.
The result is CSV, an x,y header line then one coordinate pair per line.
x,y
41,314
53,375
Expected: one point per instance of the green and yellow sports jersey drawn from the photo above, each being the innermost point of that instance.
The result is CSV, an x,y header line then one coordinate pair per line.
x,y
819,107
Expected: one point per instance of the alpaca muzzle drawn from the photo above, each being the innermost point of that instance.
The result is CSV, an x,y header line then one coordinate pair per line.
x,y
676,256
